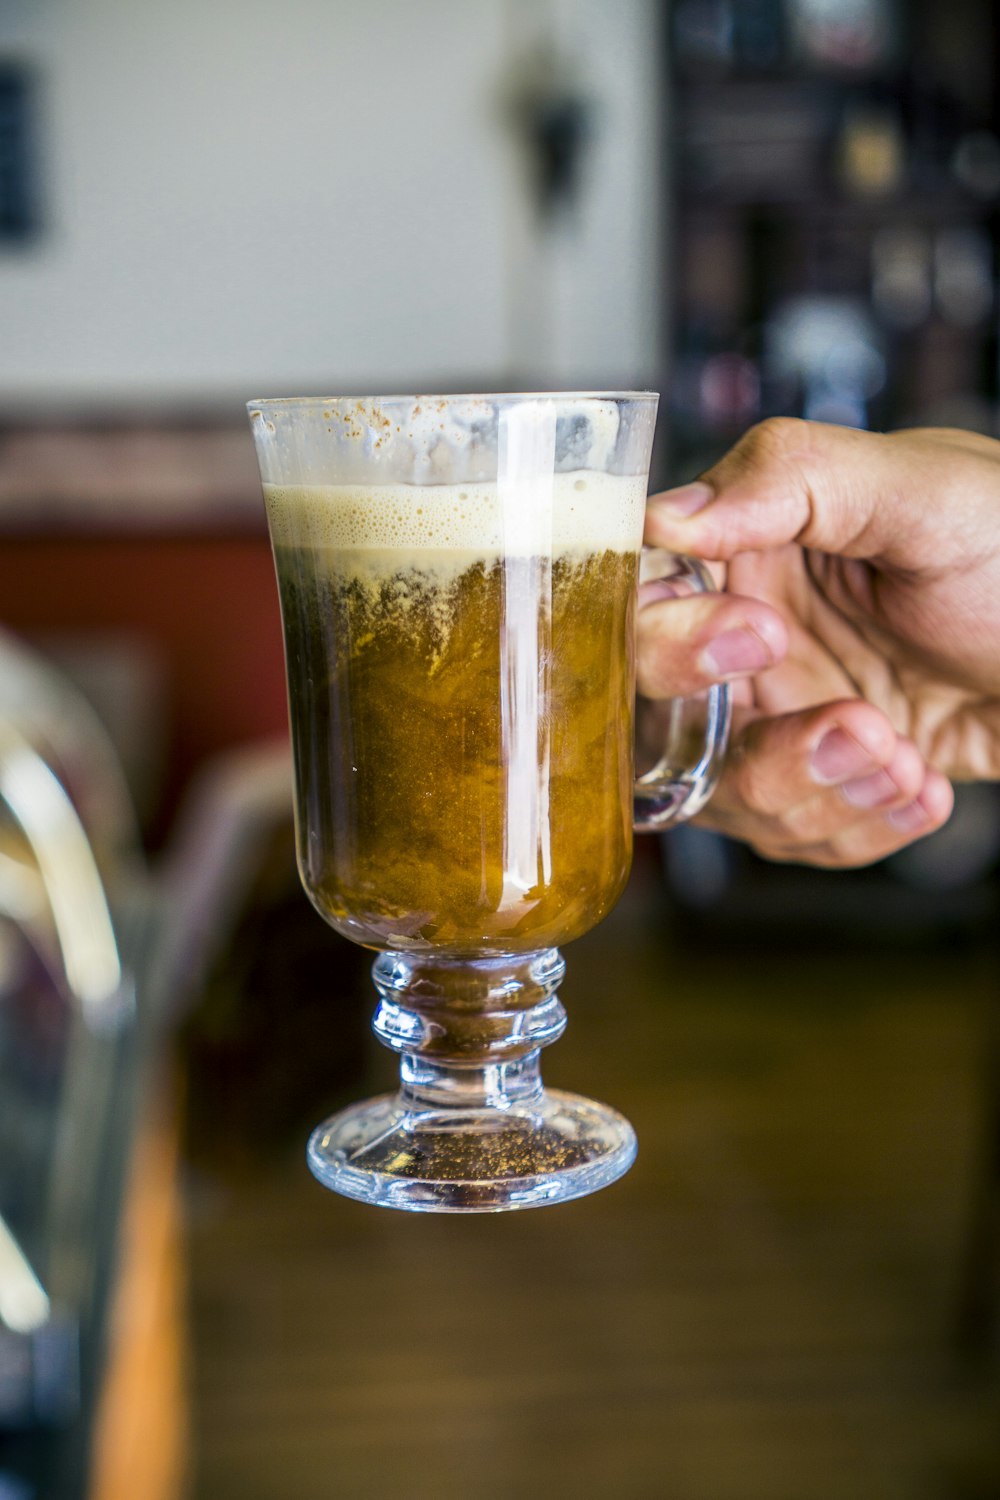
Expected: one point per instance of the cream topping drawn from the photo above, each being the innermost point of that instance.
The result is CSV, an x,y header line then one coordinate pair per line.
x,y
572,513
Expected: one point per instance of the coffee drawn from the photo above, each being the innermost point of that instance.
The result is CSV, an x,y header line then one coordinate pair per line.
x,y
461,678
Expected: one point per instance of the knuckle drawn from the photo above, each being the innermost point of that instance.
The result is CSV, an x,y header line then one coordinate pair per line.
x,y
829,857
776,852
756,789
775,439
822,855
804,824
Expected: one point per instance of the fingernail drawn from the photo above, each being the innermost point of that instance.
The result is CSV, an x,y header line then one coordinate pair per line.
x,y
870,791
735,651
837,757
687,498
909,818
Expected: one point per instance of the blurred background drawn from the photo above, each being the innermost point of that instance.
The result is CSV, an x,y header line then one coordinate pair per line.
x,y
756,207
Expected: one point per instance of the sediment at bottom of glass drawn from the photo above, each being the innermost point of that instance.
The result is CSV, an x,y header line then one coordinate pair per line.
x,y
553,1148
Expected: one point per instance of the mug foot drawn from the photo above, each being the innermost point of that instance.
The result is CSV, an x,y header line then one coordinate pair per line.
x,y
550,1149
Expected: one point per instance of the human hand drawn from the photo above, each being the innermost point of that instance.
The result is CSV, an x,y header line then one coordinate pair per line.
x,y
860,630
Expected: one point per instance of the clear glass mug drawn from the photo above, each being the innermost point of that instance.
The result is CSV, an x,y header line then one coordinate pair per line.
x,y
458,581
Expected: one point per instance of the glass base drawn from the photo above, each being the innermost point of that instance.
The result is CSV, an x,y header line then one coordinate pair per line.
x,y
552,1148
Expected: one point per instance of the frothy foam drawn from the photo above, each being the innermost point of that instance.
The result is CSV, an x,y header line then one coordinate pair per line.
x,y
567,514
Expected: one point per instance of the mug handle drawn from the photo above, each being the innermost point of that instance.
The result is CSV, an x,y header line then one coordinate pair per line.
x,y
692,732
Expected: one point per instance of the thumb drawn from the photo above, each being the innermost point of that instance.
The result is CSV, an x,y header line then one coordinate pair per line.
x,y
833,489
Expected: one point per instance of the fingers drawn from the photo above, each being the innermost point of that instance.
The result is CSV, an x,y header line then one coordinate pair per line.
x,y
834,489
832,786
877,836
684,645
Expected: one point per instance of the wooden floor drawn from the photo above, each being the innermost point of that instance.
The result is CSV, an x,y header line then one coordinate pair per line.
x,y
764,1309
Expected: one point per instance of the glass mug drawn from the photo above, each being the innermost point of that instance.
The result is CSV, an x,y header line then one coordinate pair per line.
x,y
458,581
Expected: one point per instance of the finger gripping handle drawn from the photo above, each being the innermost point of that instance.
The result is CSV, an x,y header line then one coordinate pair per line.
x,y
697,729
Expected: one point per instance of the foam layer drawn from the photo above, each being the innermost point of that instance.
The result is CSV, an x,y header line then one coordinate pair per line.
x,y
574,513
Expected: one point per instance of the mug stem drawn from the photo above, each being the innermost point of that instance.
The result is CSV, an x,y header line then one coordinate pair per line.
x,y
472,1129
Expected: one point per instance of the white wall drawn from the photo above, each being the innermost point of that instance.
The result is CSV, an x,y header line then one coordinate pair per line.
x,y
248,198
586,301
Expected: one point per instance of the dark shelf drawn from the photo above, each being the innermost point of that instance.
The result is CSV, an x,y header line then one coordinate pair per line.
x,y
932,207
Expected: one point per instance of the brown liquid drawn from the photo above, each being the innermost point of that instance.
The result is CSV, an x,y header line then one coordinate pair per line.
x,y
463,743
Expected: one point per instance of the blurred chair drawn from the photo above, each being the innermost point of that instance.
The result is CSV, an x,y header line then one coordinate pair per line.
x,y
255,976
100,958
224,826
74,907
